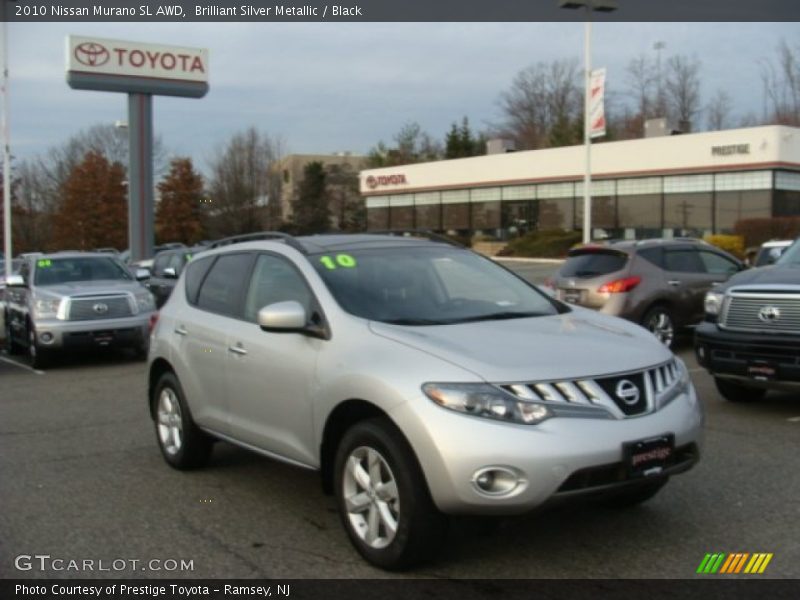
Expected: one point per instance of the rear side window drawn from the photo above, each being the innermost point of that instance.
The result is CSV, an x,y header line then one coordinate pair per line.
x,y
195,273
654,256
684,260
221,291
592,263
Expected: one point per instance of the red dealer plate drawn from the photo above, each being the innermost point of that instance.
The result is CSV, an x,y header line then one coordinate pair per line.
x,y
650,456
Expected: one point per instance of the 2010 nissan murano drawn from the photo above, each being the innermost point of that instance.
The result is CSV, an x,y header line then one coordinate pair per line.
x,y
420,379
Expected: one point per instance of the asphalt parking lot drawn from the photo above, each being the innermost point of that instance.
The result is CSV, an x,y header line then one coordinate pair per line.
x,y
81,478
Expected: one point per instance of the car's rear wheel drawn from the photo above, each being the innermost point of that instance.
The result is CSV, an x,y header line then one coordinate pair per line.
x,y
182,443
383,498
634,495
658,321
733,391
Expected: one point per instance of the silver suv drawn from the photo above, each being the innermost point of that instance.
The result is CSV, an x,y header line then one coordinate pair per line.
x,y
68,300
420,379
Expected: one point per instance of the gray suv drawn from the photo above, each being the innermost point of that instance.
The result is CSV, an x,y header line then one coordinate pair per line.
x,y
69,300
659,284
419,378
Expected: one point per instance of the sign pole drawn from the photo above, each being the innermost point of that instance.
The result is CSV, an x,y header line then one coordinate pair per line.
x,y
140,175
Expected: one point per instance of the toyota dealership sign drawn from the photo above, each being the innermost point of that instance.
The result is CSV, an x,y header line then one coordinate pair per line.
x,y
117,65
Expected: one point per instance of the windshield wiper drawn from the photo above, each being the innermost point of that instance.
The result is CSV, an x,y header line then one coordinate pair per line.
x,y
498,316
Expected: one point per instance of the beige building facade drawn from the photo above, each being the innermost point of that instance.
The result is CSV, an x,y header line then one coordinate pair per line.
x,y
691,184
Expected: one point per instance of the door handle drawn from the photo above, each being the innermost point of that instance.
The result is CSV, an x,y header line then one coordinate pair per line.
x,y
181,330
237,349
674,282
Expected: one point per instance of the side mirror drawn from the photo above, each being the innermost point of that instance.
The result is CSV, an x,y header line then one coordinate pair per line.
x,y
142,274
15,280
169,273
289,316
774,255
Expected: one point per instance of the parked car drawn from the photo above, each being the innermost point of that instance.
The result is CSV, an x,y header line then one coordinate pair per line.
x,y
66,300
167,267
769,252
659,284
750,339
419,378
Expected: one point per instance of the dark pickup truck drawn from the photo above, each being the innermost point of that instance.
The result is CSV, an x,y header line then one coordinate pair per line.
x,y
750,338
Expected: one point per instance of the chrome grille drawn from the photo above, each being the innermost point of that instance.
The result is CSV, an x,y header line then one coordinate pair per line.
x,y
88,308
660,385
761,312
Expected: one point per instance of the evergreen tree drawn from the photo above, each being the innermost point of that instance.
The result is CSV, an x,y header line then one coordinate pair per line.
x,y
179,215
310,209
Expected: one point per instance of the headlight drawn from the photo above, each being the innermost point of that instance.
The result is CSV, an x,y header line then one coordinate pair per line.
x,y
483,400
46,308
713,302
145,302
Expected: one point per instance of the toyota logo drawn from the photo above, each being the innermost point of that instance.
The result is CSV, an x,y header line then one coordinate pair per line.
x,y
100,308
769,314
627,392
92,54
372,182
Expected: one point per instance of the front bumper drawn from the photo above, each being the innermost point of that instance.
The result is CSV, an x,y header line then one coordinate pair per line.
x,y
559,458
53,334
765,360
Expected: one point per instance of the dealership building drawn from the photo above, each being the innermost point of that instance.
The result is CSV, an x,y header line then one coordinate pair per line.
x,y
690,184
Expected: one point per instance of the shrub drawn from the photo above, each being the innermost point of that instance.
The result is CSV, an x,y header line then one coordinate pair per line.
x,y
757,231
549,243
730,243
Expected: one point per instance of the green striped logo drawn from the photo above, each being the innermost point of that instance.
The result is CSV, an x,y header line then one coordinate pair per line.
x,y
734,563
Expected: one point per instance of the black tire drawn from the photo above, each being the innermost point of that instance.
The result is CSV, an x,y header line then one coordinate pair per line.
x,y
12,347
634,496
659,321
733,391
419,526
192,447
38,357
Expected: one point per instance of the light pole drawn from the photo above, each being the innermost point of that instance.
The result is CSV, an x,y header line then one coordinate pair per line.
x,y
589,6
6,151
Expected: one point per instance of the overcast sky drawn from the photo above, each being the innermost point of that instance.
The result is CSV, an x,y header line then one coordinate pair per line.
x,y
328,87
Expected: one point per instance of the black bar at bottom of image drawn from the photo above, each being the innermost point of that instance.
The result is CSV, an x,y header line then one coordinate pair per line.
x,y
408,589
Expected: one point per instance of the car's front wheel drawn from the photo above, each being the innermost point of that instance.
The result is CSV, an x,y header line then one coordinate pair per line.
x,y
182,443
38,357
738,392
383,498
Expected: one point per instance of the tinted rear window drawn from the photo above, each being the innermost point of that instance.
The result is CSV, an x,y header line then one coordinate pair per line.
x,y
593,263
195,273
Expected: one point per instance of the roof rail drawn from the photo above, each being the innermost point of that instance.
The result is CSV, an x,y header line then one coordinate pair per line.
x,y
421,233
259,235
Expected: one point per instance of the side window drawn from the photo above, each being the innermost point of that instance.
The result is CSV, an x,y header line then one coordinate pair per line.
x,y
160,263
685,260
716,264
176,262
195,273
653,255
275,280
221,291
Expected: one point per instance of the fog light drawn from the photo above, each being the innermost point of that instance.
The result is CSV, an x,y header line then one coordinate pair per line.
x,y
496,481
46,337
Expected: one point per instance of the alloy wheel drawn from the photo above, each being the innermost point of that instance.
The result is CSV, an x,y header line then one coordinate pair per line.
x,y
660,325
170,424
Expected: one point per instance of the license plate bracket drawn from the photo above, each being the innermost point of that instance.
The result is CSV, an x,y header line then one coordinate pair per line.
x,y
572,296
762,370
648,457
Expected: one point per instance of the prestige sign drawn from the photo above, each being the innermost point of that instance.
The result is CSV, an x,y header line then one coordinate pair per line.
x,y
117,65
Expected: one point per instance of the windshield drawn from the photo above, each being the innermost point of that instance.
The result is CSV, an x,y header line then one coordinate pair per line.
x,y
55,271
427,286
790,256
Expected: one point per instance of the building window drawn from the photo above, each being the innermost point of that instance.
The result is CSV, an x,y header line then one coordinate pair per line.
x,y
518,217
377,219
604,212
640,215
749,180
640,186
688,214
732,207
485,215
556,214
786,203
519,192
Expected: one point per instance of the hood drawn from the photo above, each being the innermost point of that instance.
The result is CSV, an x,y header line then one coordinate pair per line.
x,y
578,344
773,274
93,288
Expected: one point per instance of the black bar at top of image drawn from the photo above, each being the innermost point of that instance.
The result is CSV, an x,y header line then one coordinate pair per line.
x,y
709,588
394,10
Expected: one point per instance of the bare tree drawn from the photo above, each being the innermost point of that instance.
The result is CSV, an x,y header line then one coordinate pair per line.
x,y
412,145
682,89
781,81
542,97
642,82
719,111
240,182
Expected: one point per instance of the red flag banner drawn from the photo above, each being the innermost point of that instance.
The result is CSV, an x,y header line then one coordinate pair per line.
x,y
597,116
